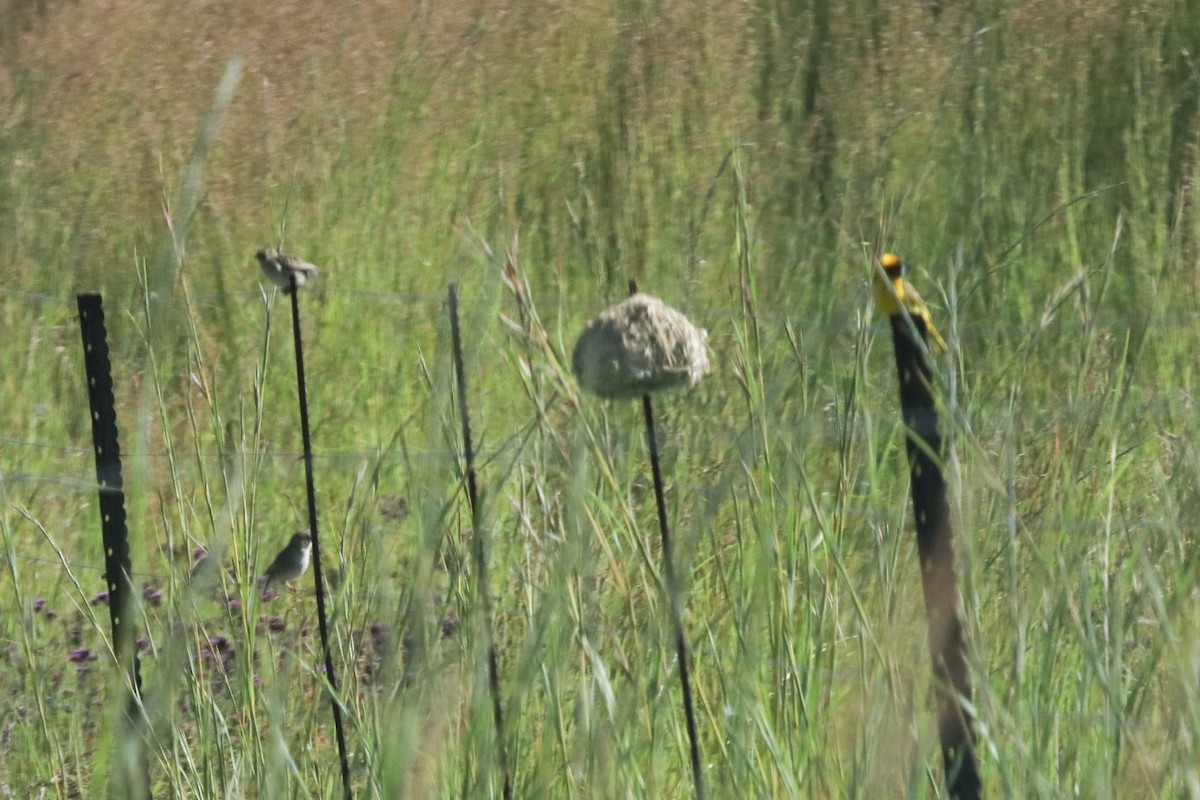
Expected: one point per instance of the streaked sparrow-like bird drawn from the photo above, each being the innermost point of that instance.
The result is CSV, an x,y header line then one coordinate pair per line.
x,y
279,269
291,562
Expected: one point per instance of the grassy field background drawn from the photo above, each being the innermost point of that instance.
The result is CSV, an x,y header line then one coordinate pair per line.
x,y
743,161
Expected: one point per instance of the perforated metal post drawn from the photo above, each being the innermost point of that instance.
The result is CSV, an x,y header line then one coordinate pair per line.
x,y
114,531
939,580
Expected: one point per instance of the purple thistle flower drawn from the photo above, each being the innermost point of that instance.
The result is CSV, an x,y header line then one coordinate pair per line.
x,y
152,595
276,623
101,597
38,605
81,655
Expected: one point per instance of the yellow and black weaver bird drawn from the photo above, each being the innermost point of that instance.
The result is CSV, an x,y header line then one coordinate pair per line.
x,y
893,292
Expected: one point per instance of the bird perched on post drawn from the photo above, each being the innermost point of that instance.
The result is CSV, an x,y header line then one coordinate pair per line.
x,y
279,269
291,562
893,292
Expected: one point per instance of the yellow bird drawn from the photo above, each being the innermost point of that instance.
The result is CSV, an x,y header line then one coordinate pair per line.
x,y
892,293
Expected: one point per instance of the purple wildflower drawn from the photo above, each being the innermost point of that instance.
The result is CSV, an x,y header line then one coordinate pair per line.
x,y
220,644
82,654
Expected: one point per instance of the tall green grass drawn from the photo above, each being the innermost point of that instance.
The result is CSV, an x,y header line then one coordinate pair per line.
x,y
741,161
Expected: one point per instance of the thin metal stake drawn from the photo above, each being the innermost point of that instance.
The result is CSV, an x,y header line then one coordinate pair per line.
x,y
310,487
478,549
681,648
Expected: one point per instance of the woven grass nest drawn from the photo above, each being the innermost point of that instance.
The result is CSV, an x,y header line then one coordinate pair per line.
x,y
640,345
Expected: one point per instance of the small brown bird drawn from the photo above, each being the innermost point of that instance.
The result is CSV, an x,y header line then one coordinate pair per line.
x,y
291,562
280,269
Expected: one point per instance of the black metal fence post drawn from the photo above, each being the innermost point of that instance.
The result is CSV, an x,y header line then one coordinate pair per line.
x,y
310,488
115,533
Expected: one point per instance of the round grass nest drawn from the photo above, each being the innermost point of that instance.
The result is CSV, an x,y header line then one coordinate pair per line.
x,y
640,345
